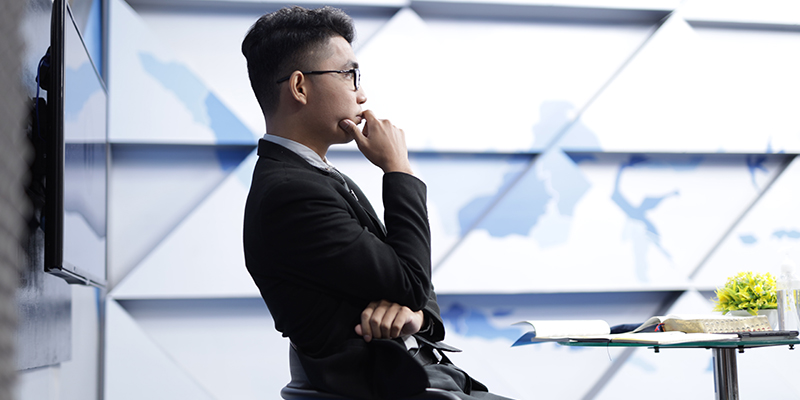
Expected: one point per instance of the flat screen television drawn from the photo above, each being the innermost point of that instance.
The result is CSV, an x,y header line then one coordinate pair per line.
x,y
76,151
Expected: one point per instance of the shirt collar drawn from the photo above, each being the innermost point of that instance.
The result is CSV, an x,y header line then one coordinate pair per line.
x,y
301,150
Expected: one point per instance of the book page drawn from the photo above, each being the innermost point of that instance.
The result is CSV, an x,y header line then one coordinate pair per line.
x,y
548,329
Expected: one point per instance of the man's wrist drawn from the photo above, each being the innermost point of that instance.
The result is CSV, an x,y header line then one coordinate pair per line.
x,y
403,167
427,326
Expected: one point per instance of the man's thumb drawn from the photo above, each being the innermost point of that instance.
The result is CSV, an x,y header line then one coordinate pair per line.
x,y
350,127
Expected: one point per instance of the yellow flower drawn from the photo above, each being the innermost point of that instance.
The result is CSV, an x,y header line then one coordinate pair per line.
x,y
747,291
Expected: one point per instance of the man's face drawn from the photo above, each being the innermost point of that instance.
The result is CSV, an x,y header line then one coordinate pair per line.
x,y
332,97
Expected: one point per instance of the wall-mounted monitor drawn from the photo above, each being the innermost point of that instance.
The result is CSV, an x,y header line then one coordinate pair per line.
x,y
76,158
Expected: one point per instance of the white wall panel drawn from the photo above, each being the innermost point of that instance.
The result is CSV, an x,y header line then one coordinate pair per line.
x,y
156,98
229,345
82,373
136,368
202,256
775,12
454,183
703,90
620,4
151,190
604,222
765,236
210,43
468,85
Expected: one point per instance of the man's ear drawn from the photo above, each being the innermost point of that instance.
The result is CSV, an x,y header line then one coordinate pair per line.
x,y
298,86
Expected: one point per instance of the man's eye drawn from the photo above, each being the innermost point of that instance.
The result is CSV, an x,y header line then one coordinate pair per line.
x,y
348,74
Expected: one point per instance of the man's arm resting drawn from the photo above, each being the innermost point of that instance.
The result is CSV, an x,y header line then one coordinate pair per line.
x,y
387,320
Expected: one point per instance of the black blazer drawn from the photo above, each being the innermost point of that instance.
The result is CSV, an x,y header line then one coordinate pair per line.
x,y
319,255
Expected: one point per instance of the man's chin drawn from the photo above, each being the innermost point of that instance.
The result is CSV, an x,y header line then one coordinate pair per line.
x,y
347,138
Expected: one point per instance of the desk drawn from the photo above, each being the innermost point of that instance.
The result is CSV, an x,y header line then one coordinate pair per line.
x,y
726,384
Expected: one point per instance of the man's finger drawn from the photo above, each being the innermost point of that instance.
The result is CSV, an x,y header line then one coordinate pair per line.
x,y
368,115
386,320
401,318
376,321
366,315
389,320
363,328
350,127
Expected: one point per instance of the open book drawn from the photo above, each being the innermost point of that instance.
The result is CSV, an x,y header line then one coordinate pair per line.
x,y
674,329
555,331
708,323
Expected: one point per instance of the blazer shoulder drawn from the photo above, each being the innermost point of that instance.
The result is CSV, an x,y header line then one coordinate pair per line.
x,y
271,174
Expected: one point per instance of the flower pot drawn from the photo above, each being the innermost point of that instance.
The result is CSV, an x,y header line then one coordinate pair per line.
x,y
772,316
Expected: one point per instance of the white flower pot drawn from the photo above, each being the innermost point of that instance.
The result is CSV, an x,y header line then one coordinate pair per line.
x,y
772,316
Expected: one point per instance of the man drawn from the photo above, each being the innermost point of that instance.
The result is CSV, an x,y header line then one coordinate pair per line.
x,y
354,297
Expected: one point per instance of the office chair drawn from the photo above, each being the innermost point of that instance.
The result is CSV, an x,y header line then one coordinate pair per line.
x,y
290,393
299,388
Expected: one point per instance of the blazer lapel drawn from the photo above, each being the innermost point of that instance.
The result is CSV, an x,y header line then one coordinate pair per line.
x,y
364,203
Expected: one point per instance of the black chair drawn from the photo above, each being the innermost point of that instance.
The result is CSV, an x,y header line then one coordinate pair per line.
x,y
300,389
290,393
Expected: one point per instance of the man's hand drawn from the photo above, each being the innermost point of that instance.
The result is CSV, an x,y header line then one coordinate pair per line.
x,y
381,142
387,320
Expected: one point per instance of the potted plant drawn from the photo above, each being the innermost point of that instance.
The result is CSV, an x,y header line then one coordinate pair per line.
x,y
749,293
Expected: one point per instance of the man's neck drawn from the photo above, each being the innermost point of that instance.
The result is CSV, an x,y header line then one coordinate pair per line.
x,y
298,135
300,149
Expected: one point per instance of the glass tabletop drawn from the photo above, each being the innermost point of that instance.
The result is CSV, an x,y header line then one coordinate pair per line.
x,y
741,343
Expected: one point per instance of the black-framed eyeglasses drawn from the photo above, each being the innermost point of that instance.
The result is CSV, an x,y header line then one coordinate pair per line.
x,y
355,72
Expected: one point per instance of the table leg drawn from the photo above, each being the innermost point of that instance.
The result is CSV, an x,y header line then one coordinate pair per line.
x,y
726,383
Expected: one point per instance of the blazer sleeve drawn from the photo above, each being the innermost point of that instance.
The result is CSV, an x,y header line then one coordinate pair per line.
x,y
434,329
312,238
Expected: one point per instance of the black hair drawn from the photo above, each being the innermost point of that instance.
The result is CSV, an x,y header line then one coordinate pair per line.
x,y
282,42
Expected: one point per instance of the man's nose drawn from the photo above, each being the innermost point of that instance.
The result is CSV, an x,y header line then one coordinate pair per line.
x,y
361,95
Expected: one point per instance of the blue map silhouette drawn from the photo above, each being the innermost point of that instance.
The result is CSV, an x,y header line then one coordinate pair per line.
x,y
205,107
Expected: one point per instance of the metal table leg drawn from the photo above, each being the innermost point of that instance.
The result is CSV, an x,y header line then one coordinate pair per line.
x,y
726,383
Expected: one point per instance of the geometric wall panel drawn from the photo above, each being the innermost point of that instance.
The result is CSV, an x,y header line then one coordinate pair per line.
x,y
202,256
460,189
229,346
766,235
484,86
154,98
605,222
152,189
779,14
209,42
136,368
707,90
